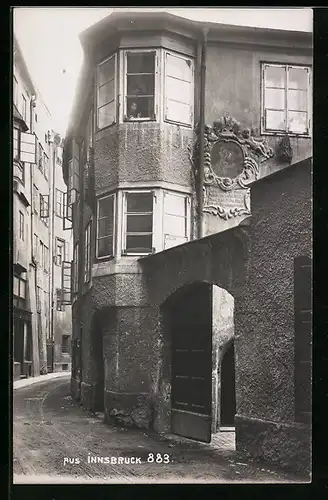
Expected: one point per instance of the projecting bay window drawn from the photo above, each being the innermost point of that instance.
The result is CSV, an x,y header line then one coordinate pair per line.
x,y
176,219
179,89
140,85
87,253
106,92
138,223
286,99
105,227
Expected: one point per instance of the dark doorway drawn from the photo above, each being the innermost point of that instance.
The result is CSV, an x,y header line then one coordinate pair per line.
x,y
228,391
190,313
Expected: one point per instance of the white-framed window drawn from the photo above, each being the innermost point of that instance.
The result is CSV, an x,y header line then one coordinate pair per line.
x,y
21,225
40,158
178,89
60,251
105,226
38,299
87,253
286,99
176,219
35,199
19,288
16,143
59,203
59,305
76,268
24,107
106,92
138,219
140,85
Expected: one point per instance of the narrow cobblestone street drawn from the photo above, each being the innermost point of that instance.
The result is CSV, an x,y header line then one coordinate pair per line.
x,y
50,427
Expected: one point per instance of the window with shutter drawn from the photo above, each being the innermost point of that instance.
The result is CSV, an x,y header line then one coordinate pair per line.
x,y
105,227
179,89
286,99
106,93
66,282
176,222
138,223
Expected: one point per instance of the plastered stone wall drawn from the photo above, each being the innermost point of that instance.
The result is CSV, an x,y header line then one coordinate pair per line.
x,y
142,152
264,328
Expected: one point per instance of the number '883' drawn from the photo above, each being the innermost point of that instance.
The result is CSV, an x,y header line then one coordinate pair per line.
x,y
158,458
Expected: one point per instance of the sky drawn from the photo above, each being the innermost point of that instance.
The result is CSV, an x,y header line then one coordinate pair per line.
x,y
49,40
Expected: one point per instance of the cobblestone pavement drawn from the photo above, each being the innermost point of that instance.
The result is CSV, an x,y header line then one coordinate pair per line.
x,y
54,440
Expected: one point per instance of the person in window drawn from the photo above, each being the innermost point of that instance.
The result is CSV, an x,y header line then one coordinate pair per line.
x,y
133,111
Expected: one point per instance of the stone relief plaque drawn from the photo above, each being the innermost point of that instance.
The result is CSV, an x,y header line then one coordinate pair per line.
x,y
227,159
231,162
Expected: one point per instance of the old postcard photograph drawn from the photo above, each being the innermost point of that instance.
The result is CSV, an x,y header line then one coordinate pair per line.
x,y
162,245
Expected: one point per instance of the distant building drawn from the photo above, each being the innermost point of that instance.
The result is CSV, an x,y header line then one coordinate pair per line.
x,y
41,323
158,201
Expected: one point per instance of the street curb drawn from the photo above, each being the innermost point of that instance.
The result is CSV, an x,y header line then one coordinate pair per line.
x,y
17,384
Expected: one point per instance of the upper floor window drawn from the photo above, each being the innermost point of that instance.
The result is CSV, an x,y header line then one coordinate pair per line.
x,y
60,251
21,225
286,99
38,299
19,291
138,223
35,246
16,143
106,93
87,253
35,199
155,84
105,227
40,158
139,85
46,166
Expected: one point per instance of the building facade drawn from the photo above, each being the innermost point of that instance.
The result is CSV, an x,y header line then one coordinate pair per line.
x,y
173,122
37,176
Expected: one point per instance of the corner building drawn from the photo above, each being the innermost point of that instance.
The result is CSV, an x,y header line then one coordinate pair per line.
x,y
139,163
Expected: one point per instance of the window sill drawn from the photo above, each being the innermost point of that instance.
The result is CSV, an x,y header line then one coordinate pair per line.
x,y
283,134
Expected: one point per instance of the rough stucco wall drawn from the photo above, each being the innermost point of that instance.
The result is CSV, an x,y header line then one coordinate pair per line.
x,y
280,231
142,152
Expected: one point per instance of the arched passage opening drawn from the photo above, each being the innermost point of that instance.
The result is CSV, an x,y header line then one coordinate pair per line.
x,y
227,389
197,319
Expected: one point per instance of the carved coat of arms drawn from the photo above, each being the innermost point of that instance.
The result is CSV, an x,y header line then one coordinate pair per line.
x,y
232,155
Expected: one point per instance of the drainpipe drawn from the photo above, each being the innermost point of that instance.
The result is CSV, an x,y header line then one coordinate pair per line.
x,y
202,132
80,143
52,212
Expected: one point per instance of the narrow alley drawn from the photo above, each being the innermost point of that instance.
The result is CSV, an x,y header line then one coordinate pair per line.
x,y
54,440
